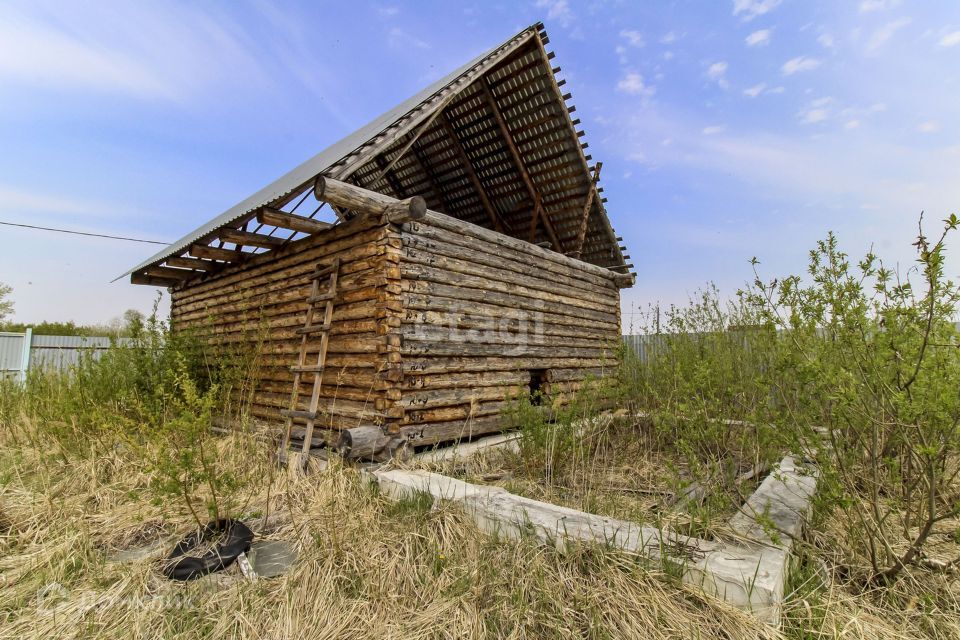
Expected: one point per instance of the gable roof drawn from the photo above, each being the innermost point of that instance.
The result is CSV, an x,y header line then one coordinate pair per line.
x,y
458,143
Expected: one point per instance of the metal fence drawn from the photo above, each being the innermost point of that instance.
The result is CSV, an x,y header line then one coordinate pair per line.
x,y
20,352
644,344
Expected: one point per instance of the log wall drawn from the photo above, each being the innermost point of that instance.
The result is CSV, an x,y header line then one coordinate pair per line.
x,y
482,313
438,325
259,305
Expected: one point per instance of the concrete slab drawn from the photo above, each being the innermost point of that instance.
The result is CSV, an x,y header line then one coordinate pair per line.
x,y
748,577
776,512
271,558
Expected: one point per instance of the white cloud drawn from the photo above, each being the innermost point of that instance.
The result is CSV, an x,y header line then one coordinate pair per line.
x,y
558,10
812,116
96,50
930,126
387,12
851,124
668,55
753,8
816,111
621,52
758,38
882,35
776,90
717,72
632,83
755,90
800,63
634,38
826,41
951,39
669,38
714,130
877,5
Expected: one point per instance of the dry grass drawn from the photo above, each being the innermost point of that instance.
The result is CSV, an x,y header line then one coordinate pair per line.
x,y
611,471
828,600
369,568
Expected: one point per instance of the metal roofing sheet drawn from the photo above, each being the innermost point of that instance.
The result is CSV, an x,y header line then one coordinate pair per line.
x,y
331,155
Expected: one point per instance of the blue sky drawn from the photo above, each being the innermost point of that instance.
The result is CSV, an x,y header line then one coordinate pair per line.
x,y
727,129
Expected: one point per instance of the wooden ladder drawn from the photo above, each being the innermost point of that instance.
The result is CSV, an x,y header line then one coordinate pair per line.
x,y
321,272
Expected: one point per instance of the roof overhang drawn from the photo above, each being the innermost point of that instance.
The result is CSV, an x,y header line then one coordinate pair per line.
x,y
493,143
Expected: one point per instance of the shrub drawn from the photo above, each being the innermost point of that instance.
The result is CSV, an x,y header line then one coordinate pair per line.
x,y
866,382
155,396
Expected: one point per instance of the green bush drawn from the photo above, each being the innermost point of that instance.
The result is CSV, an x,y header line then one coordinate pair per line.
x,y
866,381
155,396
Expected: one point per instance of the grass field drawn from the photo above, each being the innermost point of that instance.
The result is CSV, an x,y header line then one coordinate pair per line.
x,y
370,567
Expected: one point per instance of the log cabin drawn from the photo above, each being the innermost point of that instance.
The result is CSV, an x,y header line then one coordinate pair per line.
x,y
407,283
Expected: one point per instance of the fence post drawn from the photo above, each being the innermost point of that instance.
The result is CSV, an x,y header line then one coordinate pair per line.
x,y
25,357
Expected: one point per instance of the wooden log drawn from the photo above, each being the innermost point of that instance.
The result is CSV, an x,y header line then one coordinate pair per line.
x,y
287,278
504,338
362,442
278,218
498,298
439,365
371,203
474,231
412,346
250,239
181,275
191,263
350,236
431,433
465,320
153,281
417,304
214,253
607,298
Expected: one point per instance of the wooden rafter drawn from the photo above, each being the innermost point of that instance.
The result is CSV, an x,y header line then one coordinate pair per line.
x,y
585,217
468,168
191,263
215,253
282,219
417,135
425,164
153,281
250,239
538,211
392,179
166,272
537,204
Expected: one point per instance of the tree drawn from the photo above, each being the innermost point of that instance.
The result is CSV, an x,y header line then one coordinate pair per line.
x,y
133,320
6,305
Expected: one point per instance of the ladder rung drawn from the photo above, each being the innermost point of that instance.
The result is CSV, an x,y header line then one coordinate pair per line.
x,y
322,297
313,328
325,271
315,368
302,415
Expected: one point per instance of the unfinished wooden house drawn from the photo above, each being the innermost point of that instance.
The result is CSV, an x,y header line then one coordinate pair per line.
x,y
424,271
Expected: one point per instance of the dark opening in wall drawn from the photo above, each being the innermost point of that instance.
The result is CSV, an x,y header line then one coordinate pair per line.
x,y
538,378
